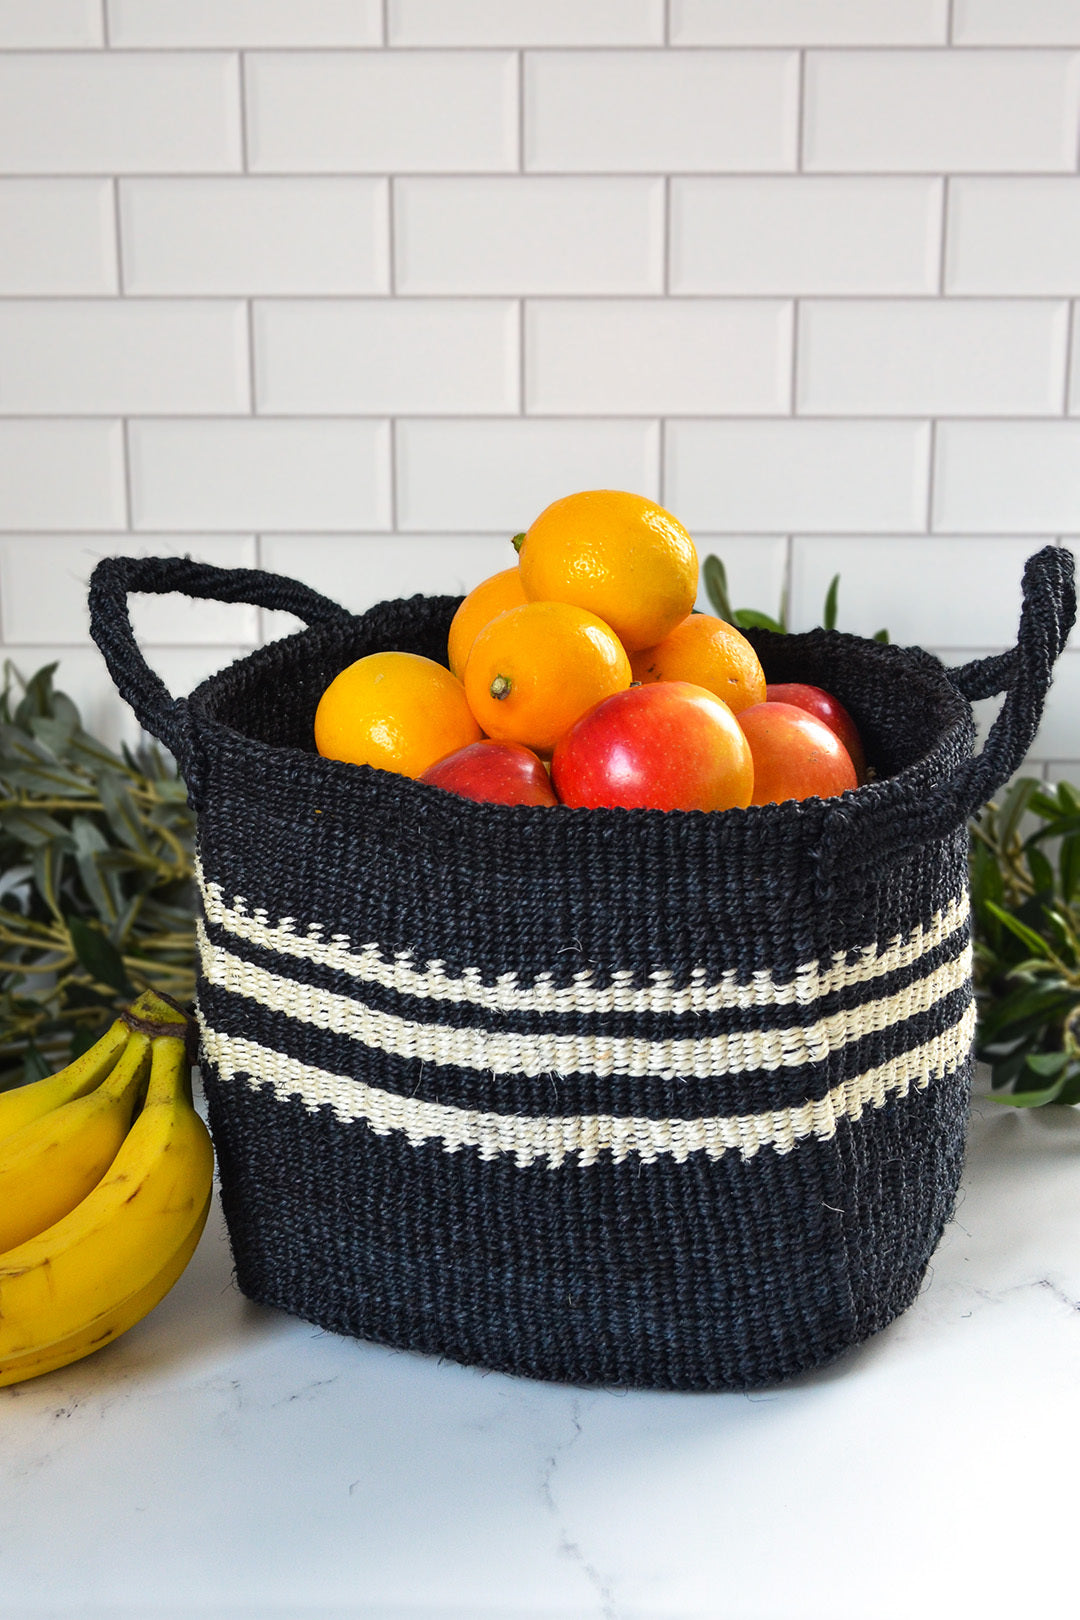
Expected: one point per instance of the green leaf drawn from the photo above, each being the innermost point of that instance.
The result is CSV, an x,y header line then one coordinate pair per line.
x,y
37,698
49,874
77,994
1042,873
1069,867
53,733
90,845
881,635
1030,938
1061,827
1015,802
1005,1070
99,956
122,812
986,883
1046,1064
35,1065
1021,1013
174,791
828,616
1029,1099
751,619
714,577
1070,1091
34,828
67,711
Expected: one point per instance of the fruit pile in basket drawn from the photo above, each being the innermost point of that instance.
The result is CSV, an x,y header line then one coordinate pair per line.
x,y
583,676
106,1173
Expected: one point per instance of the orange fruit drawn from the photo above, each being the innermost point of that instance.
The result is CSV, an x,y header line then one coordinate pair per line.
x,y
707,652
617,555
395,710
483,603
535,669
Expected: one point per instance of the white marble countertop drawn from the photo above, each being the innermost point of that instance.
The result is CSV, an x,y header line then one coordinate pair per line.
x,y
223,1460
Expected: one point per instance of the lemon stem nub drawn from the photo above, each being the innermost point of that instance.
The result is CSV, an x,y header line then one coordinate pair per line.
x,y
500,687
518,540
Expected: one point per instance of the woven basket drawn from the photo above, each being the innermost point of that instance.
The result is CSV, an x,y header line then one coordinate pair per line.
x,y
673,1100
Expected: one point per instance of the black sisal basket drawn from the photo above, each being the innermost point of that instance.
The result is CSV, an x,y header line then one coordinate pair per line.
x,y
674,1100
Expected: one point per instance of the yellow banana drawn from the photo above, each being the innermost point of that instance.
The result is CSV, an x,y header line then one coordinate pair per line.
x,y
108,1325
108,1261
51,1164
24,1104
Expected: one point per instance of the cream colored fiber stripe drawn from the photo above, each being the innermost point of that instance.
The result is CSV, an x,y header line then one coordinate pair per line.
x,y
587,1136
433,983
510,1052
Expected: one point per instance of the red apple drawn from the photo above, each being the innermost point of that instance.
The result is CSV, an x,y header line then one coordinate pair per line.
x,y
795,755
502,772
666,746
816,701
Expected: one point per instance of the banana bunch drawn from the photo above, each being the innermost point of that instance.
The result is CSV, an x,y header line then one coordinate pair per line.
x,y
105,1181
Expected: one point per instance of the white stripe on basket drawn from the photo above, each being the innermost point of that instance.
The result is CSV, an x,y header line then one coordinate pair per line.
x,y
510,1052
552,1139
810,982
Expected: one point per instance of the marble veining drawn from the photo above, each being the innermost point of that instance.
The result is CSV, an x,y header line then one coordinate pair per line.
x,y
224,1462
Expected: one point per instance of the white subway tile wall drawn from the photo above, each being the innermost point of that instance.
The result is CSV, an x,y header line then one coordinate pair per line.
x,y
350,289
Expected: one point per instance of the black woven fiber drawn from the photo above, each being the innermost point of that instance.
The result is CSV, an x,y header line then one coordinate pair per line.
x,y
634,1098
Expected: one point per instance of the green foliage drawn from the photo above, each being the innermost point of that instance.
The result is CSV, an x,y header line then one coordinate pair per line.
x,y
1025,889
714,575
96,899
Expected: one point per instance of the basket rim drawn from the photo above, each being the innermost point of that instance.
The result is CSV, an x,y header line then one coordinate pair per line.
x,y
344,781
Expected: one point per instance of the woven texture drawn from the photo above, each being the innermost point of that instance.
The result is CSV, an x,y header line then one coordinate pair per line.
x,y
620,1097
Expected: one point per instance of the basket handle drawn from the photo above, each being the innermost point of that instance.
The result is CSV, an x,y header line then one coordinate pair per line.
x,y
113,581
1023,674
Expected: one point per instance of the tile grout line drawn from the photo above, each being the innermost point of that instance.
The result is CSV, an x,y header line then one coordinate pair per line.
x,y
520,112
125,445
392,454
943,239
607,417
521,357
582,176
260,613
783,296
241,73
793,404
800,113
250,332
929,47
931,476
106,41
391,233
1070,340
118,238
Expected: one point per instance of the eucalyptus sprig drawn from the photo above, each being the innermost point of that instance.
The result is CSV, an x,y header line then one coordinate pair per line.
x,y
1025,890
96,899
